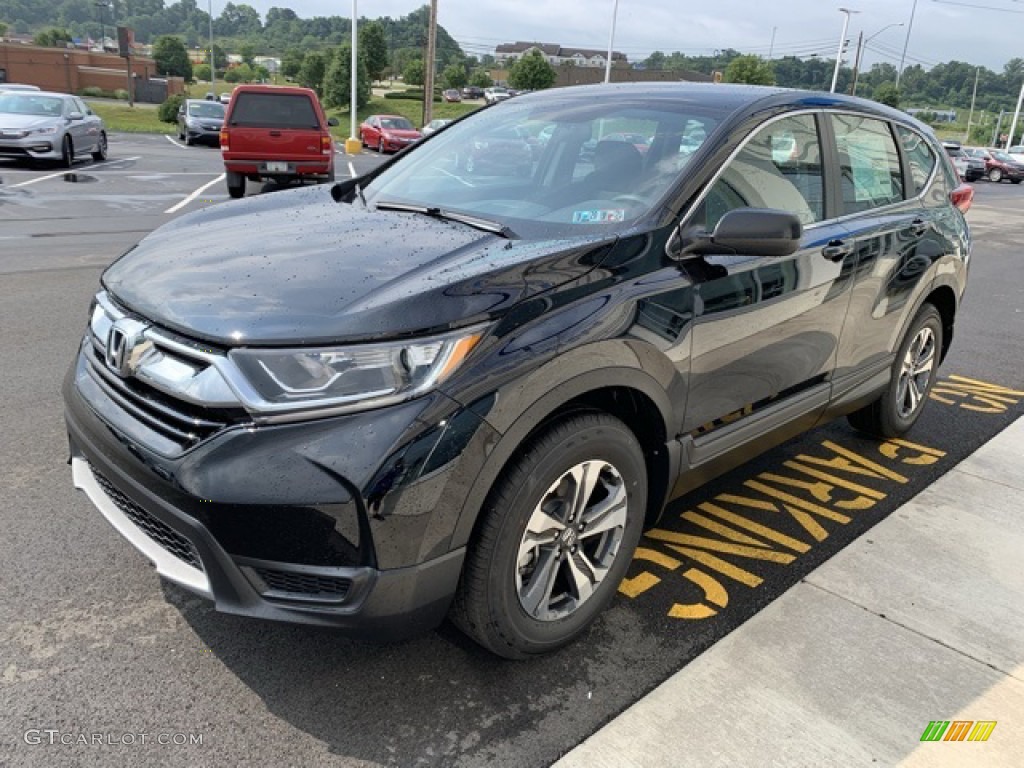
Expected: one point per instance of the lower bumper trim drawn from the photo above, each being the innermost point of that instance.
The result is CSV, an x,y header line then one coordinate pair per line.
x,y
167,565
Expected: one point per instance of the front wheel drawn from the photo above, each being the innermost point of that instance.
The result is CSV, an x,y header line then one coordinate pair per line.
x,y
67,153
380,146
913,375
100,153
555,537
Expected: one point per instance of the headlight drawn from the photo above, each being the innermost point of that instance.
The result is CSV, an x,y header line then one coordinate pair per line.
x,y
43,131
368,375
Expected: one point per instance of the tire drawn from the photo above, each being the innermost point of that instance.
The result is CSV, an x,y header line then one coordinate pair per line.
x,y
100,153
189,141
1015,181
995,175
67,152
380,146
896,410
236,184
362,140
521,595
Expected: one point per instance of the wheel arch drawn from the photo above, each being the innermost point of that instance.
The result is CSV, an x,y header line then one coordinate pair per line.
x,y
631,395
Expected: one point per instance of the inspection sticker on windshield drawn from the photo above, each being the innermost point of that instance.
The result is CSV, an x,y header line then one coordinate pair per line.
x,y
599,216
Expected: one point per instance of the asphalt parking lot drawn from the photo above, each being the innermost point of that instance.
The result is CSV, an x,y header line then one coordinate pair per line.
x,y
91,642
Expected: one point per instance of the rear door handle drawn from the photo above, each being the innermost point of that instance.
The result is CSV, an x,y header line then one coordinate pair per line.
x,y
837,250
918,227
275,133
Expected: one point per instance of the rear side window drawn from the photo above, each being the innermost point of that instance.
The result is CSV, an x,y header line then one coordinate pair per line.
x,y
868,162
274,110
920,157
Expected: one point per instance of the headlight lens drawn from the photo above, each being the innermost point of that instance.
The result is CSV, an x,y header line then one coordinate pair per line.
x,y
44,131
367,375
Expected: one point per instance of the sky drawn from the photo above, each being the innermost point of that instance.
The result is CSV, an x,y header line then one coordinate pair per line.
x,y
989,33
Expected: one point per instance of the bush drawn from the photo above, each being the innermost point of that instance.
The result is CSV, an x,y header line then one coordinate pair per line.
x,y
168,111
93,92
412,95
121,94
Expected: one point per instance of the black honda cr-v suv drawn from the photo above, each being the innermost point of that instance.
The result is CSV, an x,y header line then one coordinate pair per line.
x,y
440,390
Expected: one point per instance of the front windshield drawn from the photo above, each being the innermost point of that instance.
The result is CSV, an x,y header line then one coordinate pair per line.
x,y
206,109
31,104
552,167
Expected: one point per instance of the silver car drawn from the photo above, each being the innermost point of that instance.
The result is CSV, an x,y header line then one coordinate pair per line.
x,y
200,121
39,125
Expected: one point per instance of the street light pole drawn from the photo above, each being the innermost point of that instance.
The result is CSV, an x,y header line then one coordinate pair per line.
x,y
842,40
860,46
354,67
906,42
611,43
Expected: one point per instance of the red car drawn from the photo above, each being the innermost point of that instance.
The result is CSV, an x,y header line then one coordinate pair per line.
x,y
388,133
276,133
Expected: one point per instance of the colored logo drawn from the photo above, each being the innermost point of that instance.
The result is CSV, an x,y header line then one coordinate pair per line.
x,y
958,730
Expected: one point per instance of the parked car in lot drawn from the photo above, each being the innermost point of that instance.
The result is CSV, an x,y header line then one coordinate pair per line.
x,y
200,121
502,151
999,165
40,125
422,393
277,133
225,98
451,95
496,94
388,133
969,167
18,87
434,125
472,92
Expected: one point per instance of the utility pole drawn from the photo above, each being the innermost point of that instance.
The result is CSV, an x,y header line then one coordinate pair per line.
x,y
611,44
856,63
1016,114
974,95
213,59
842,44
999,125
906,42
428,66
771,45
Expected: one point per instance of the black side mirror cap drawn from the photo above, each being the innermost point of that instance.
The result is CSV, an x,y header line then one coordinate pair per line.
x,y
755,231
333,122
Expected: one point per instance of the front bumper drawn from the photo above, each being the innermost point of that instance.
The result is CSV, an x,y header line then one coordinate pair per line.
x,y
32,147
283,522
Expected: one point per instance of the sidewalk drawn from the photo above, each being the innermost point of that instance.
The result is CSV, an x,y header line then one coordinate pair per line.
x,y
920,619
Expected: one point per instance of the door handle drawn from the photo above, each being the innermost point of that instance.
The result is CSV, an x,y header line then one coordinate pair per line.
x,y
275,133
918,227
837,250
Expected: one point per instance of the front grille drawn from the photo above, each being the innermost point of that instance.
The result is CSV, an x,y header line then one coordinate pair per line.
x,y
310,586
185,423
158,531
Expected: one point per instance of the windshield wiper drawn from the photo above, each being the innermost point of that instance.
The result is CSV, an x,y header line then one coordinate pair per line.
x,y
487,225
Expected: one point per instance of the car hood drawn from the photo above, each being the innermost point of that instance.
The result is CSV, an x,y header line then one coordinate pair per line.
x,y
296,267
10,120
401,133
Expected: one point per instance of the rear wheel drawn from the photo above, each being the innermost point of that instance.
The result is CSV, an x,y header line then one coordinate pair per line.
x,y
913,375
1015,181
555,537
236,184
995,175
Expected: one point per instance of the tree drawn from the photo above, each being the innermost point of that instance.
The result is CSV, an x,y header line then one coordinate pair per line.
x,y
454,76
291,62
233,75
481,79
532,72
337,87
201,72
245,73
171,57
373,48
220,57
311,73
750,69
413,74
53,38
3,29
887,93
248,52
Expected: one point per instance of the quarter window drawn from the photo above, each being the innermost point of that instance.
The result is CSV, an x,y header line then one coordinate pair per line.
x,y
919,156
869,164
780,167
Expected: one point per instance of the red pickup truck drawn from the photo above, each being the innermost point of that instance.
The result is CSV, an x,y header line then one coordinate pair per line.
x,y
277,133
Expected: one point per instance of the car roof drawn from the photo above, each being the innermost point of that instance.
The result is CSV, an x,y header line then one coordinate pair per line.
x,y
263,88
43,93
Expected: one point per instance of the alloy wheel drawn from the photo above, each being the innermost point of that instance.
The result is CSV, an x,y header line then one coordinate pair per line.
x,y
915,373
571,540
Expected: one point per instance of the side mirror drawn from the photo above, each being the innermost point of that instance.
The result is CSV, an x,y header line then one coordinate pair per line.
x,y
755,231
76,116
333,122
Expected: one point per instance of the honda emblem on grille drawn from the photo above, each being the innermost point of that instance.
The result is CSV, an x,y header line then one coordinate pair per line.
x,y
126,344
